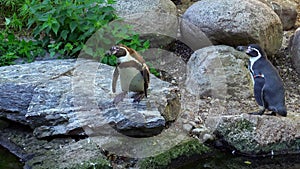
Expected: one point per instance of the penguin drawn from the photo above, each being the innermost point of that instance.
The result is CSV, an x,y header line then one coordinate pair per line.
x,y
269,92
133,71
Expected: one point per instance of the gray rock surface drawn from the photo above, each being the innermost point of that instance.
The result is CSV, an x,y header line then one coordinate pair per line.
x,y
218,71
286,10
56,153
124,8
76,99
295,50
155,20
259,135
236,22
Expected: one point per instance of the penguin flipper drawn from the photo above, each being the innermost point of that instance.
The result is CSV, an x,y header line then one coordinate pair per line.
x,y
146,76
115,78
259,84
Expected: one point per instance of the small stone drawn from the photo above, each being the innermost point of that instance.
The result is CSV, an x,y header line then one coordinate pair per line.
x,y
208,137
187,127
193,123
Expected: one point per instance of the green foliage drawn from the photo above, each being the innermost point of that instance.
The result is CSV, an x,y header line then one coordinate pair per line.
x,y
9,7
11,48
63,26
14,13
14,22
111,34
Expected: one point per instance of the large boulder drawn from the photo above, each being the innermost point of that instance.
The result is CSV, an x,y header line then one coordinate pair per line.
x,y
295,50
155,20
218,71
69,97
125,8
259,135
236,22
286,10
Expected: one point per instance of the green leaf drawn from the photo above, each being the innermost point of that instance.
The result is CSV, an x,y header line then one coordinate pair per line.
x,y
45,25
55,27
64,34
7,21
30,22
52,53
104,60
73,26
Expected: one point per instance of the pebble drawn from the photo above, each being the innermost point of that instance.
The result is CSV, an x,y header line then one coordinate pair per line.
x,y
208,137
187,127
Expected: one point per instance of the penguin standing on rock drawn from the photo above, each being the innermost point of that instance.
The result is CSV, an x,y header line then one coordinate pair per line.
x,y
268,86
133,71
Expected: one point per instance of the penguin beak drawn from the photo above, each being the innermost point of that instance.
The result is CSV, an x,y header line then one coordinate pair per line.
x,y
111,51
248,50
242,48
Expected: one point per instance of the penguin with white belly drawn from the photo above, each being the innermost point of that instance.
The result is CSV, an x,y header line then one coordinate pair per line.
x,y
268,86
133,71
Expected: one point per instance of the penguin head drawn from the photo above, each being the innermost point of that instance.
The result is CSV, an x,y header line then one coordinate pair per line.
x,y
118,51
254,50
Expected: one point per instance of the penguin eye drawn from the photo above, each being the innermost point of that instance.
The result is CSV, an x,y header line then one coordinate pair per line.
x,y
114,48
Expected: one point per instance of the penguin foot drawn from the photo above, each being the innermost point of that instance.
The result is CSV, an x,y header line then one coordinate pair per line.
x,y
283,114
256,113
271,114
120,97
138,97
260,112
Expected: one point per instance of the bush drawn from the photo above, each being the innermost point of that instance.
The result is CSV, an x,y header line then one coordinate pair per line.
x,y
63,26
12,48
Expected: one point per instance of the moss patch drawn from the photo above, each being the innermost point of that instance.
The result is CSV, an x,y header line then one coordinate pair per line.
x,y
185,149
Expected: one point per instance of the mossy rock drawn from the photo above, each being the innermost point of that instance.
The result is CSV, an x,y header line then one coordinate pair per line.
x,y
99,163
186,149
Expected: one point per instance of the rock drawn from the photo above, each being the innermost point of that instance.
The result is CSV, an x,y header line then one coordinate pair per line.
x,y
55,153
219,72
75,99
125,8
236,22
155,20
295,50
259,135
286,10
185,149
187,127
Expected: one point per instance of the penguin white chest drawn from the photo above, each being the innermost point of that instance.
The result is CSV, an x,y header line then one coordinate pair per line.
x,y
252,61
131,80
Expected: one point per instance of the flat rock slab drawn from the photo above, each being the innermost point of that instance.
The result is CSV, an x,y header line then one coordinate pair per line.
x,y
73,97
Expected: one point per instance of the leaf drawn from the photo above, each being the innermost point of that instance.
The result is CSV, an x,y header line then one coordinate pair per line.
x,y
104,60
7,21
146,44
73,26
64,34
45,25
111,1
52,53
55,27
248,162
30,22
